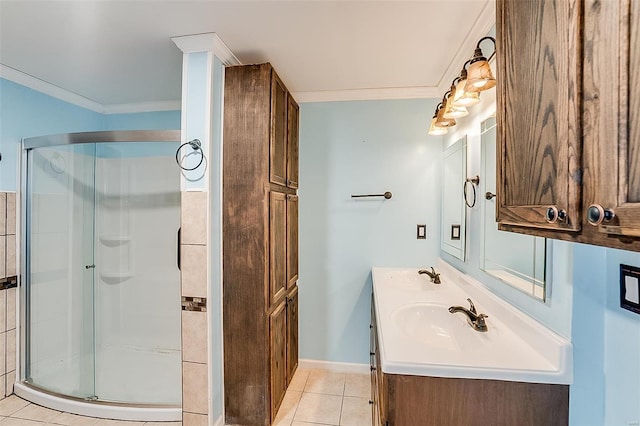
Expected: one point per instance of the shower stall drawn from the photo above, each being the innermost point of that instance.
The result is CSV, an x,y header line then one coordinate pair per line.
x,y
100,323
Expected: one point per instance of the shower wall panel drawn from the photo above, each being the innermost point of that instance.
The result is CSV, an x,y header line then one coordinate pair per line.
x,y
137,278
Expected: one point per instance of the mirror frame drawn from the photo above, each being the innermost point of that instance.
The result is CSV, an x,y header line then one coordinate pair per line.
x,y
454,230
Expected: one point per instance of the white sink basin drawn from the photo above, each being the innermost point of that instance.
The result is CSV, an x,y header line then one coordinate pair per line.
x,y
418,336
433,325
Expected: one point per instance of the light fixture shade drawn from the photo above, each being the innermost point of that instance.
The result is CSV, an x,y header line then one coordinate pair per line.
x,y
453,111
441,121
479,77
436,130
464,99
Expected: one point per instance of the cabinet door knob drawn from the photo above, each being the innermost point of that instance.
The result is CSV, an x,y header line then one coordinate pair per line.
x,y
596,214
553,215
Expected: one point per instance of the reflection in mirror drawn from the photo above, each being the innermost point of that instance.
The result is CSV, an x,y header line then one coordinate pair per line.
x,y
518,260
453,208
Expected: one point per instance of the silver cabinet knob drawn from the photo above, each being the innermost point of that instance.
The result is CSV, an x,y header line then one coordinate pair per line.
x,y
553,215
596,214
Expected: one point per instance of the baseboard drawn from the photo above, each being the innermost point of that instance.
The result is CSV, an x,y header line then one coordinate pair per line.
x,y
343,367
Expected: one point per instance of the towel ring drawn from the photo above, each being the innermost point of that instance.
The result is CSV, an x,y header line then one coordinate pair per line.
x,y
196,146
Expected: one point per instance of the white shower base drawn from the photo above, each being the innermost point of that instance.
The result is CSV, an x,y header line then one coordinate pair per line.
x,y
113,382
97,409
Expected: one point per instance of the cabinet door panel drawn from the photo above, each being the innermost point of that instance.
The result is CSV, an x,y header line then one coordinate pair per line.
x,y
627,205
539,149
292,334
292,240
278,361
278,149
277,246
293,114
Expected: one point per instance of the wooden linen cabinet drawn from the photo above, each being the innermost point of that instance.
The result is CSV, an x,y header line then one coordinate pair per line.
x,y
260,243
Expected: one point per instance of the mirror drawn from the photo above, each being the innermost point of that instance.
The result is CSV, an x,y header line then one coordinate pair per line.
x,y
518,260
453,207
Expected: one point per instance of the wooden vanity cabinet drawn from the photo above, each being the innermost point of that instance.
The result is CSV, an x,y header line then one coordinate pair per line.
x,y
568,119
405,400
260,245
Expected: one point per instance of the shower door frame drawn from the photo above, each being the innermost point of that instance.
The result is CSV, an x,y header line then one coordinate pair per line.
x,y
107,408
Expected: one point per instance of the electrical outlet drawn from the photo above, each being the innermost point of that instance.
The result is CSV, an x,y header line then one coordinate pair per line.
x,y
421,232
630,288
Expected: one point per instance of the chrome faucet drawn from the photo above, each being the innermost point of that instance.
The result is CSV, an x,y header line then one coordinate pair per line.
x,y
475,320
435,278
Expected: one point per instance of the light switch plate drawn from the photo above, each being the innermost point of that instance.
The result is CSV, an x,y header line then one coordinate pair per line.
x,y
421,232
630,288
455,232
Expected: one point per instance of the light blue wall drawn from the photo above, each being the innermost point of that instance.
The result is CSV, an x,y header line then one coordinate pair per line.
x,y
360,148
196,122
587,394
25,113
606,341
157,120
621,345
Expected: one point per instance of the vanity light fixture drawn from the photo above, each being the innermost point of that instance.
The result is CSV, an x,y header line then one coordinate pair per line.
x,y
465,90
434,129
461,98
452,111
479,76
441,120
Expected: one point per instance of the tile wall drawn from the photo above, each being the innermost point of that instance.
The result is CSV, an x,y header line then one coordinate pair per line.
x,y
193,264
8,284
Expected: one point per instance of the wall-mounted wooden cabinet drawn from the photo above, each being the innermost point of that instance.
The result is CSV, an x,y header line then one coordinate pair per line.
x,y
293,114
260,238
568,128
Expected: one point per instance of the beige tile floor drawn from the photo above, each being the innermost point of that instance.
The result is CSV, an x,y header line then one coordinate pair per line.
x,y
314,398
318,397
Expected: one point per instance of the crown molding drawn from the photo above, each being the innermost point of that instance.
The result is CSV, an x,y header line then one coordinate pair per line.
x,y
52,90
480,28
208,42
367,94
134,108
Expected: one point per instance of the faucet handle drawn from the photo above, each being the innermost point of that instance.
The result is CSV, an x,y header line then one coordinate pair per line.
x,y
472,306
480,323
436,277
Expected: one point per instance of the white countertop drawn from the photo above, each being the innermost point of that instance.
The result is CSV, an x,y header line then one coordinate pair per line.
x,y
418,336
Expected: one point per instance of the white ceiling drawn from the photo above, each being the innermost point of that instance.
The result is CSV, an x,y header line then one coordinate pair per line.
x,y
120,52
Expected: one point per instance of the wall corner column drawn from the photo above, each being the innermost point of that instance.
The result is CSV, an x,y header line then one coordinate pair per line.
x,y
204,59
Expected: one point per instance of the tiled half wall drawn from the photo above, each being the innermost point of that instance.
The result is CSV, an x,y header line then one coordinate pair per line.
x,y
8,284
193,266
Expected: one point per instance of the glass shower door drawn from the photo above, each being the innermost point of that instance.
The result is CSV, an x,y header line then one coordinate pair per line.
x,y
137,281
60,259
103,287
